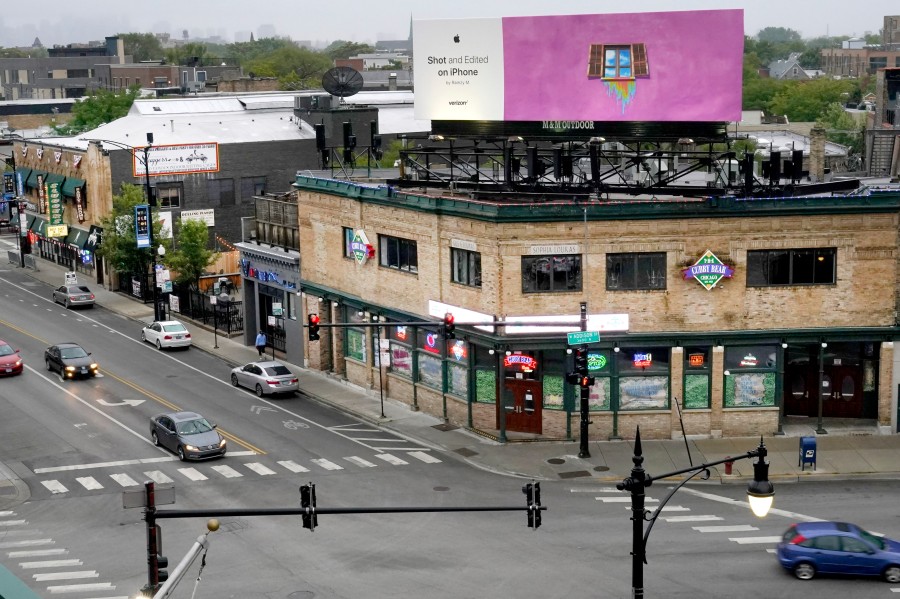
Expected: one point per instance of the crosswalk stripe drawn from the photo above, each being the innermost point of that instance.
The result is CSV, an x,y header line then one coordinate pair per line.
x,y
425,457
124,480
26,543
260,469
734,528
675,508
595,490
327,465
359,461
293,466
192,473
83,588
89,482
5,513
760,540
391,459
65,575
235,454
13,522
690,518
624,499
157,476
52,563
54,486
227,471
35,553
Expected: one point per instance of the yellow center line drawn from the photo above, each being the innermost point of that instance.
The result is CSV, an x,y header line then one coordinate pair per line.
x,y
147,393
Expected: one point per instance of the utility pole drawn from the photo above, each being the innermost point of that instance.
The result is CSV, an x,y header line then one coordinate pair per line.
x,y
583,451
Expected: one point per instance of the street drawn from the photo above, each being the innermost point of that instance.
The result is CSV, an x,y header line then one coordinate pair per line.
x,y
78,445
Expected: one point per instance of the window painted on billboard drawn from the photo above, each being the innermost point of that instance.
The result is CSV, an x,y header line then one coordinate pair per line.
x,y
398,253
623,61
635,271
549,274
809,266
465,267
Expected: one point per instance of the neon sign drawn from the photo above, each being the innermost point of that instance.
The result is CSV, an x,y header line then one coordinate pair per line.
x,y
749,360
642,360
696,360
431,343
458,350
401,333
524,363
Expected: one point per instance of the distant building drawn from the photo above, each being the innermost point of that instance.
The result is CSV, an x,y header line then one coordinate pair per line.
x,y
788,69
855,57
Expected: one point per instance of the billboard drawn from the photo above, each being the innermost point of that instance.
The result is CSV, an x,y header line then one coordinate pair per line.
x,y
655,66
177,159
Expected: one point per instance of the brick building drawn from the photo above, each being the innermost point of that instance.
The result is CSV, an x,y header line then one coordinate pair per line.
x,y
734,312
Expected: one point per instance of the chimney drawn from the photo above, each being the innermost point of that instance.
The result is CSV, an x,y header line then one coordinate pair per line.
x,y
817,154
392,82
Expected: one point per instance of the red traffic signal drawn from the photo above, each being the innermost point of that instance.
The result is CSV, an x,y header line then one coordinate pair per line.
x,y
449,326
312,322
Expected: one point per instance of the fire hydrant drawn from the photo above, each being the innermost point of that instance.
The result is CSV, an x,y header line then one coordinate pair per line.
x,y
728,465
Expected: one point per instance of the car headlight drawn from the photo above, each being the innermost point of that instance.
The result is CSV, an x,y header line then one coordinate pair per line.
x,y
17,364
190,448
70,368
222,443
95,366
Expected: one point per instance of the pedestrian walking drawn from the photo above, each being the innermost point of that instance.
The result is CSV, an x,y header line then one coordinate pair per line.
x,y
261,343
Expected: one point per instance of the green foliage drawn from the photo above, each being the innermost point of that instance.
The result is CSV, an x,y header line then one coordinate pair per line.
x,y
192,54
99,108
843,128
804,101
344,49
243,52
296,67
142,46
192,255
759,93
778,35
23,53
119,241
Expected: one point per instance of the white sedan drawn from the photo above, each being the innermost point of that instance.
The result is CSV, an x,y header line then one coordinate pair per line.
x,y
166,333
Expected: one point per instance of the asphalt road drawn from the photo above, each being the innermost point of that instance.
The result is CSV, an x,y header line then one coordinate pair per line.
x,y
79,445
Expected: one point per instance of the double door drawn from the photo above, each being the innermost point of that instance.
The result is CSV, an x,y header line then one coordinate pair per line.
x,y
522,406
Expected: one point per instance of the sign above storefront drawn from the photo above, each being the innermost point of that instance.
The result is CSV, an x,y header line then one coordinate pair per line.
x,y
708,270
361,248
520,361
176,159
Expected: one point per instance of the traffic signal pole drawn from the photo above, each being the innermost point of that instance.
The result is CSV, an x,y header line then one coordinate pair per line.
x,y
583,451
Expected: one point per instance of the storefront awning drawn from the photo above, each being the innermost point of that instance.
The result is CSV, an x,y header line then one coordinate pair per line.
x,y
32,178
71,184
38,226
26,172
54,178
77,237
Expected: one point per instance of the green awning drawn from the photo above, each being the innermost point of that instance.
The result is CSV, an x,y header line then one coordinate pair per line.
x,y
77,237
25,173
55,178
37,226
71,184
32,178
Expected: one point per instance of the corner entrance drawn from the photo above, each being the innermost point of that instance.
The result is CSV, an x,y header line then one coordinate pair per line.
x,y
523,407
849,385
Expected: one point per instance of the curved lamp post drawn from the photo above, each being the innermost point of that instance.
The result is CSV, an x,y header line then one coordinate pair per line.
x,y
760,493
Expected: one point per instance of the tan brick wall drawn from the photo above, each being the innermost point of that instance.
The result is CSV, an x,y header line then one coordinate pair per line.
x,y
885,384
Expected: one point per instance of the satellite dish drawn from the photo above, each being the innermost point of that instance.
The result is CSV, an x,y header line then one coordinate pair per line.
x,y
342,81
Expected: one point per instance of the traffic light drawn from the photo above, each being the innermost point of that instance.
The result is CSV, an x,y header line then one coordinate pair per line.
x,y
586,381
308,503
313,324
449,326
581,365
533,503
162,574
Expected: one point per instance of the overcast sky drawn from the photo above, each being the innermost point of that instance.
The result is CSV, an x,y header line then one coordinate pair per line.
x,y
68,21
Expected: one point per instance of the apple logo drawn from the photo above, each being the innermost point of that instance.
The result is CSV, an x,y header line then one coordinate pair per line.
x,y
456,38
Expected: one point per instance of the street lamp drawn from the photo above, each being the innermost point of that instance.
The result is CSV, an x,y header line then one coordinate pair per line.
x,y
760,493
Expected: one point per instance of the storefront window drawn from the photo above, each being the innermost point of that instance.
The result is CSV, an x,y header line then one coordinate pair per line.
x,y
696,378
430,370
355,338
643,378
457,368
750,376
485,376
401,360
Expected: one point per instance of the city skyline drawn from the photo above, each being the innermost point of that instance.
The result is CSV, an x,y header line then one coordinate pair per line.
x,y
61,23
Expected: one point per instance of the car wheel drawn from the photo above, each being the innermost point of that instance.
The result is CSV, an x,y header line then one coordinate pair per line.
x,y
181,455
892,574
49,367
62,377
155,438
67,304
259,390
158,345
804,571
234,380
143,336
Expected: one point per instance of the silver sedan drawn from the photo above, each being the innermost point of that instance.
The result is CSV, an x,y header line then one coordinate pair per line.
x,y
266,378
73,295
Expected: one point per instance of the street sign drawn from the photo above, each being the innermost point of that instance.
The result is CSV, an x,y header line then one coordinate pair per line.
x,y
71,278
583,337
135,498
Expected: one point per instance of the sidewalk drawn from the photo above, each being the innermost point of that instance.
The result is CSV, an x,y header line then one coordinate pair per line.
x,y
847,451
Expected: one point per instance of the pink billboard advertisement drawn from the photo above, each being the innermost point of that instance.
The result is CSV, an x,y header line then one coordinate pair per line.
x,y
656,66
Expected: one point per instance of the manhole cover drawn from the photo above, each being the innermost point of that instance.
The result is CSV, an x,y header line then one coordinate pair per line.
x,y
556,461
601,468
445,427
574,474
441,488
465,452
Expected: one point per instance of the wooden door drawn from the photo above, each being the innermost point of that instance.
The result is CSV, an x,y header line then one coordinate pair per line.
x,y
523,409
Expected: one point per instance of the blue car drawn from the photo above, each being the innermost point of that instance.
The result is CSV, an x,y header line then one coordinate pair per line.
x,y
810,548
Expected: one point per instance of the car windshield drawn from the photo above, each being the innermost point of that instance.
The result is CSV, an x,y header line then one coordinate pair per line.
x,y
72,352
278,370
193,427
6,350
873,539
174,328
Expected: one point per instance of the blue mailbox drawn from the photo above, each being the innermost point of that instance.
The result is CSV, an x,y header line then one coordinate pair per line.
x,y
807,452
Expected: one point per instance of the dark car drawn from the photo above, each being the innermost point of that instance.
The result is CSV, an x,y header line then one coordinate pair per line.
x,y
70,360
188,434
74,295
808,548
10,360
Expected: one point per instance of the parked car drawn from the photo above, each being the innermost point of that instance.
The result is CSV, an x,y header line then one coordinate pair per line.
x,y
810,548
70,360
166,333
73,295
266,378
10,360
188,434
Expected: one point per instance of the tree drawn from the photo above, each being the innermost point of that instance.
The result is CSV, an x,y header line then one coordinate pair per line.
x,y
778,34
192,255
296,67
142,46
804,101
192,54
344,49
101,107
119,246
843,128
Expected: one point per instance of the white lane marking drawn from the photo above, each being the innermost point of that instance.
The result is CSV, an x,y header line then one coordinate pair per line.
x,y
124,480
352,428
624,499
326,464
157,476
388,439
750,540
596,490
675,508
36,553
359,461
730,501
89,482
772,550
425,457
27,543
391,459
103,464
54,486
227,471
65,575
51,563
241,453
82,588
690,518
5,513
259,468
293,466
13,522
726,528
192,473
